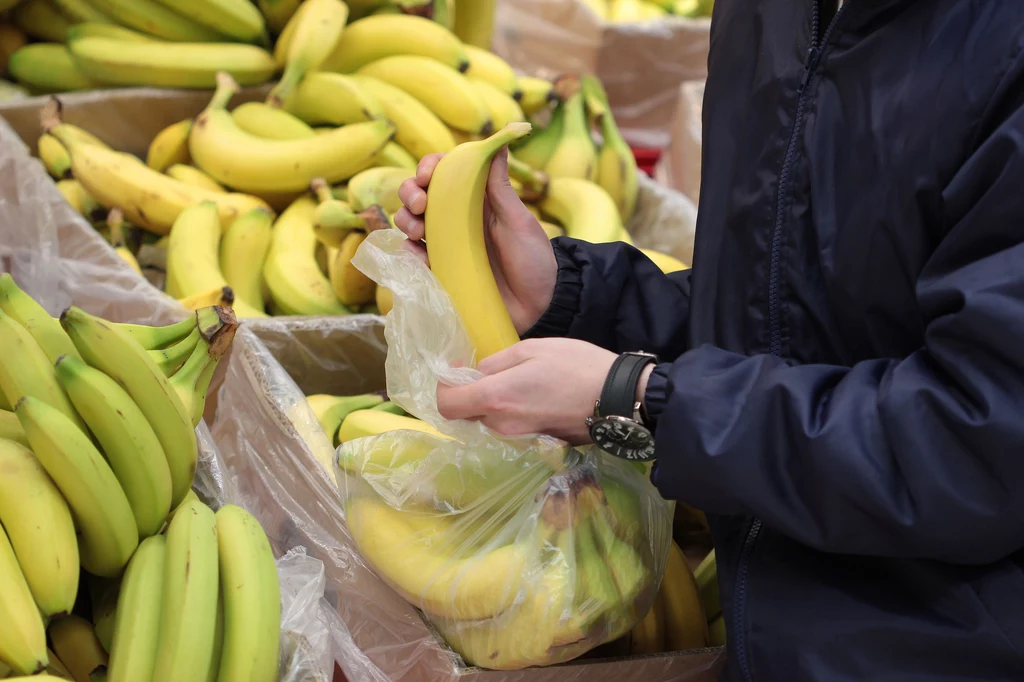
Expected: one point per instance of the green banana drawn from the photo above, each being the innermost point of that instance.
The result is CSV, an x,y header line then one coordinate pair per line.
x,y
81,12
193,379
139,612
331,410
170,359
49,67
10,428
154,18
22,637
537,149
238,19
33,317
103,594
156,338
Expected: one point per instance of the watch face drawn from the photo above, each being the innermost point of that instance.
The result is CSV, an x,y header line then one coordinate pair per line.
x,y
623,438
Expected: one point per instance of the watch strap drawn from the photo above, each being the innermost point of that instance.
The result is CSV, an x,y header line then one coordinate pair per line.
x,y
618,397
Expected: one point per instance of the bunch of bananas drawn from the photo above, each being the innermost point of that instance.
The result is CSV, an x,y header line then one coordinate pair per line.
x,y
631,11
98,450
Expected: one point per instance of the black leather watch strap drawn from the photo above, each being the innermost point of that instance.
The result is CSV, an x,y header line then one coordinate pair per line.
x,y
618,397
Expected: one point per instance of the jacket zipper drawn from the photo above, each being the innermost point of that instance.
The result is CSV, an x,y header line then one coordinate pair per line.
x,y
774,323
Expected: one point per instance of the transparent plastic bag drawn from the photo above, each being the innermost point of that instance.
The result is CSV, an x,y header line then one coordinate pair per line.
x,y
679,167
519,551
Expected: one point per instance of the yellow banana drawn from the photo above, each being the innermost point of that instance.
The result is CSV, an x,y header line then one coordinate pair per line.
x,y
243,251
39,528
129,443
417,128
22,636
192,176
384,299
575,155
278,12
331,410
717,631
486,66
80,200
55,157
377,187
322,97
108,534
685,625
192,265
706,576
170,146
317,30
368,422
480,585
297,287
77,647
551,230
252,599
113,351
115,226
33,317
284,41
92,29
263,120
351,286
218,640
616,165
648,637
502,107
149,199
80,12
665,262
455,231
445,91
474,21
395,156
152,17
56,668
136,629
250,163
584,209
49,67
237,19
377,37
10,429
537,94
171,65
40,19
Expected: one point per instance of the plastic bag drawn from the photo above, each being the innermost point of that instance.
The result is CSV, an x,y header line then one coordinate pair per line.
x,y
679,167
520,551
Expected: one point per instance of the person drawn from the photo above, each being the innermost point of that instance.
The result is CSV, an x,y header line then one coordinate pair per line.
x,y
840,382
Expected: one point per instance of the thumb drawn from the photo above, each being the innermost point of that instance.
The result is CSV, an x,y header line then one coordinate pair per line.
x,y
503,196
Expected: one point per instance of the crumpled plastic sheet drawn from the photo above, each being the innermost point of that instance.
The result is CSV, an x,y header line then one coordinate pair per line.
x,y
679,166
60,260
641,64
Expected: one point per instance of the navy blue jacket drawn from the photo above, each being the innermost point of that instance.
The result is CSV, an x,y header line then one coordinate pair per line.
x,y
843,379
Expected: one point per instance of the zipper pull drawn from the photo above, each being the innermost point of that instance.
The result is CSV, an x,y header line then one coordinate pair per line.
x,y
809,64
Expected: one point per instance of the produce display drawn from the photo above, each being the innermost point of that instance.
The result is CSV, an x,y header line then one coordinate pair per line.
x,y
110,566
630,11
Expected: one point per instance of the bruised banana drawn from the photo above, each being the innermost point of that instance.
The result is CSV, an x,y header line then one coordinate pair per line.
x,y
244,161
377,37
331,410
455,231
243,251
263,120
318,26
332,98
77,647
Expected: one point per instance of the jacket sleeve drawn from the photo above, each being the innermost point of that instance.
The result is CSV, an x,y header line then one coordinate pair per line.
x,y
915,457
614,296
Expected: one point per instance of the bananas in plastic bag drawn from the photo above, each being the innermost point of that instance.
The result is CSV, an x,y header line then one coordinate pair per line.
x,y
519,551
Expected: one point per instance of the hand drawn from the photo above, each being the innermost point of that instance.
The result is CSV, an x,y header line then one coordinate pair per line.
x,y
537,386
521,256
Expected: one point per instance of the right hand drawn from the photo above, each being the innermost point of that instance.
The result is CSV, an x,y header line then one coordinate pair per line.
x,y
521,255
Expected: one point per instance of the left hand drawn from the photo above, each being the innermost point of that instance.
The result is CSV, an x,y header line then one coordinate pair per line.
x,y
537,386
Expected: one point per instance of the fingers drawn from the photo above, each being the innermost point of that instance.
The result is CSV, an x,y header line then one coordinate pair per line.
x,y
460,402
417,249
425,169
503,360
413,196
411,225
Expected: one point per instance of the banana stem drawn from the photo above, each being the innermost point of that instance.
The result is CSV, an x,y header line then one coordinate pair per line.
x,y
321,189
226,89
115,223
534,182
50,116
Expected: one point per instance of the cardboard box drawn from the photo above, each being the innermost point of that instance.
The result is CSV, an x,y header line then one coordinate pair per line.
x,y
641,65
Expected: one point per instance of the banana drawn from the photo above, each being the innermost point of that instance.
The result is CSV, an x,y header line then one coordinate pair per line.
x,y
103,594
80,12
278,12
39,528
115,226
363,423
192,176
170,146
190,593
243,251
192,381
149,199
56,668
22,636
40,19
136,628
665,262
317,30
218,640
685,625
92,29
222,296
474,21
80,200
706,576
152,17
333,220
537,94
390,408
114,352
322,97
171,65
11,40
378,187
263,120
156,338
55,157
394,156
503,109
449,586
441,88
10,429
252,599
237,19
648,637
377,37
351,286
616,165
75,643
575,155
584,209
192,261
538,148
717,631
49,67
597,602
417,128
490,68
107,531
551,230
26,371
455,231
384,299
284,40
33,317
297,287
331,410
129,443
244,161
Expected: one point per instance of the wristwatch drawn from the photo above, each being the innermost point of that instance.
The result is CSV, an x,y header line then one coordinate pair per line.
x,y
617,426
